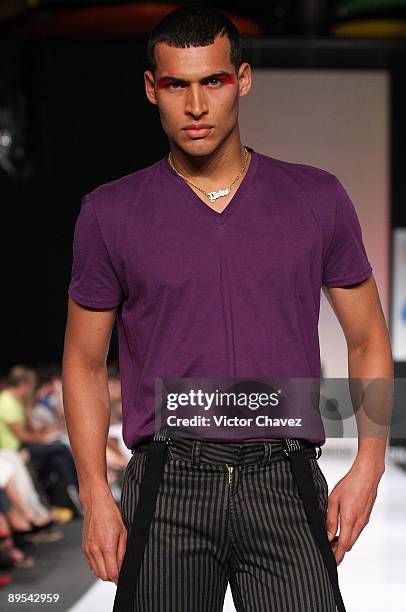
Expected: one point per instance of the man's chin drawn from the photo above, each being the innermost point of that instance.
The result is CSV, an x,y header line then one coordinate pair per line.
x,y
197,149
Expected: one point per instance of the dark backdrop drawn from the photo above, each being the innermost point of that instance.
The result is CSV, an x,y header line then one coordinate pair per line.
x,y
88,122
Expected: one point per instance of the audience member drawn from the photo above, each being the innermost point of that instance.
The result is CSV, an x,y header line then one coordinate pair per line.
x,y
17,431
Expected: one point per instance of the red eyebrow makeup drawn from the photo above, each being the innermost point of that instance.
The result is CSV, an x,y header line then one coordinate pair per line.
x,y
227,78
161,83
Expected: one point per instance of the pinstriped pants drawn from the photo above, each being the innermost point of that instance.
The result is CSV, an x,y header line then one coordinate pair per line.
x,y
228,513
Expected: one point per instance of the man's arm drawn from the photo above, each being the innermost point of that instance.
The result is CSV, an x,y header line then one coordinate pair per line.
x,y
87,414
359,312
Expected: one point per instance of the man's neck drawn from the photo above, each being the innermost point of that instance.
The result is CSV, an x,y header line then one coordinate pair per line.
x,y
220,167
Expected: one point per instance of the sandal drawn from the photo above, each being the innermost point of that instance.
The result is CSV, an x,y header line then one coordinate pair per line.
x,y
51,524
45,535
42,533
9,553
34,528
5,561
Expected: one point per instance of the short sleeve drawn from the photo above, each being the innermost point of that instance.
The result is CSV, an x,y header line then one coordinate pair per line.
x,y
345,261
94,282
10,412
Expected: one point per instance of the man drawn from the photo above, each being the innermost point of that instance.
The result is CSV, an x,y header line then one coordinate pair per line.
x,y
209,283
48,407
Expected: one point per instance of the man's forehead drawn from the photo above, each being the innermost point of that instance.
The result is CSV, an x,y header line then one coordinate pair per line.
x,y
192,63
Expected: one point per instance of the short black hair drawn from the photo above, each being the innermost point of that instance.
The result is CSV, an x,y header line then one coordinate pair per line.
x,y
195,25
21,374
47,373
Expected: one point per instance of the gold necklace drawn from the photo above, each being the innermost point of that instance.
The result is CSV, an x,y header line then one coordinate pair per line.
x,y
212,195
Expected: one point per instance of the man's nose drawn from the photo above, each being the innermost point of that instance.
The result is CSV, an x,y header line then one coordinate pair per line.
x,y
196,103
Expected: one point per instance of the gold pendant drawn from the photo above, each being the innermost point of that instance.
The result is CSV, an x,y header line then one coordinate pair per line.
x,y
213,195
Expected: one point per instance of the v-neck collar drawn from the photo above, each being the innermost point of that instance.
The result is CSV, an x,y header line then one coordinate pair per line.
x,y
190,195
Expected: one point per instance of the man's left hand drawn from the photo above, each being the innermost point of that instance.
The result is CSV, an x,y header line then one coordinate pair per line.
x,y
352,500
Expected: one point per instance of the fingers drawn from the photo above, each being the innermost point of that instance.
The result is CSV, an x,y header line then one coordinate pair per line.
x,y
99,564
102,561
350,502
122,545
344,544
341,543
121,548
105,553
350,529
114,555
358,526
332,517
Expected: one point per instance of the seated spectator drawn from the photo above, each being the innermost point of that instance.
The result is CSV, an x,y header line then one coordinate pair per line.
x,y
48,407
117,454
116,422
10,554
16,482
17,431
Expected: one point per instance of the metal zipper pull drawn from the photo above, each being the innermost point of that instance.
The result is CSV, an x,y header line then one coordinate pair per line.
x,y
230,472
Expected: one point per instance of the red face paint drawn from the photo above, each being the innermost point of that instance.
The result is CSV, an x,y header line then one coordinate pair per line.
x,y
226,79
163,83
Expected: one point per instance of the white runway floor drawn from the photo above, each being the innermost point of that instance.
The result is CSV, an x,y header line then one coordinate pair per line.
x,y
372,575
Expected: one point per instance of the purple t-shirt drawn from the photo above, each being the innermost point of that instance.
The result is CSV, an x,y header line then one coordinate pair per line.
x,y
202,294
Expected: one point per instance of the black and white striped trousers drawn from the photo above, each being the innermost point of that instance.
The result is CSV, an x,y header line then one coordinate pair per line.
x,y
228,513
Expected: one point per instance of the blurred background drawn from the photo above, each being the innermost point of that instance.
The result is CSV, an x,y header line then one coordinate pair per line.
x,y
329,90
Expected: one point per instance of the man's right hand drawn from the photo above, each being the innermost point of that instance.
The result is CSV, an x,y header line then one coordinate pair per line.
x,y
104,534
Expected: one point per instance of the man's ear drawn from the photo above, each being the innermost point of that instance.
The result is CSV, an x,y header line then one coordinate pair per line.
x,y
244,78
150,86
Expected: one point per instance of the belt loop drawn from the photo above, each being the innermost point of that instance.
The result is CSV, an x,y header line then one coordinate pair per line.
x,y
196,452
267,453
